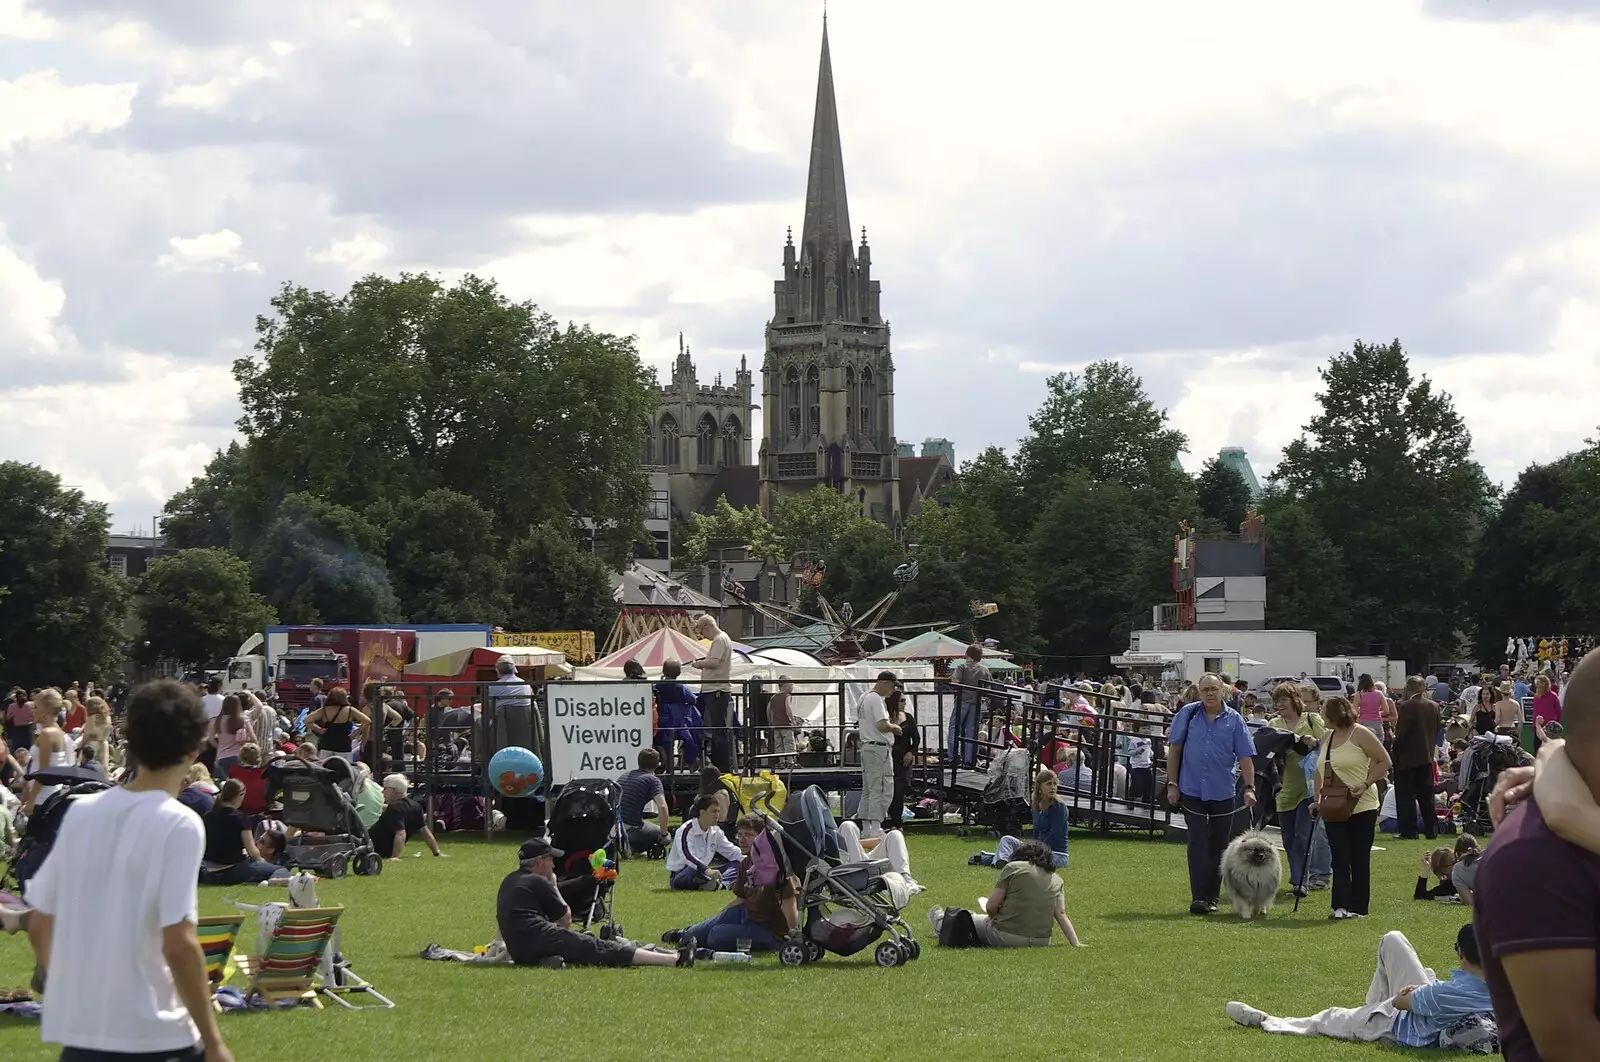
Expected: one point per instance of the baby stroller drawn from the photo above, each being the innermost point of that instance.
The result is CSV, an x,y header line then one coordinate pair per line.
x,y
320,798
587,817
844,907
1005,805
1486,756
45,823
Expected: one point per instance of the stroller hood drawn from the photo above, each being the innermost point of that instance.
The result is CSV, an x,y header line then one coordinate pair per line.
x,y
89,772
808,829
585,814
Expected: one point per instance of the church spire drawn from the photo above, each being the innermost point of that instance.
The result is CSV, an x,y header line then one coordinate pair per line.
x,y
826,232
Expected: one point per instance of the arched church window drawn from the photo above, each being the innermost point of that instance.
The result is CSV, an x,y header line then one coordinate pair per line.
x,y
849,402
868,403
669,441
730,441
791,401
705,449
648,449
814,400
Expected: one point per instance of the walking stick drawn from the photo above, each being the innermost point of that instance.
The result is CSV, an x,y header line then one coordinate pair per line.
x,y
1305,859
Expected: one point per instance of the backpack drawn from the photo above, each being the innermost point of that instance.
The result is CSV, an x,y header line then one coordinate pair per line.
x,y
958,930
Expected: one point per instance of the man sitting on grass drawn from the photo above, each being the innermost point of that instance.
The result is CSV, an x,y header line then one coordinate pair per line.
x,y
764,909
535,922
402,818
697,842
1405,1004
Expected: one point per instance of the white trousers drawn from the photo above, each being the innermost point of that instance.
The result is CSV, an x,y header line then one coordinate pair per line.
x,y
877,787
1398,966
892,847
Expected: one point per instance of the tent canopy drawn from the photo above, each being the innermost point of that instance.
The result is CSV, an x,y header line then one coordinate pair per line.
x,y
934,645
656,648
458,662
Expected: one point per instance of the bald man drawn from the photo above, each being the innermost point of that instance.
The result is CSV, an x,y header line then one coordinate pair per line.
x,y
1536,910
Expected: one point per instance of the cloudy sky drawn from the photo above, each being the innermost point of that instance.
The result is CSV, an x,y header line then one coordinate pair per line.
x,y
1222,194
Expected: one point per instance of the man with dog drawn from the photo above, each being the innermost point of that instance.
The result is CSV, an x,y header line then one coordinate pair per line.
x,y
1209,757
1405,1005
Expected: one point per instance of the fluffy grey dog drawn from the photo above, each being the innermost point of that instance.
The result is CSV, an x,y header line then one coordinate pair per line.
x,y
1252,873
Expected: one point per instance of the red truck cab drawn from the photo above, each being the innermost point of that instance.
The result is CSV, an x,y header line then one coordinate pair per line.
x,y
349,657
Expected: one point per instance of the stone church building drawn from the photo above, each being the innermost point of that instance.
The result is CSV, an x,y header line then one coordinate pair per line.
x,y
827,376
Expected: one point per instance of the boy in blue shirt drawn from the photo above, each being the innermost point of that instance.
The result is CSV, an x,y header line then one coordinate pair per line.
x,y
1405,1005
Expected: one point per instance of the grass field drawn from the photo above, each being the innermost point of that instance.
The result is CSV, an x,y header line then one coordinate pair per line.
x,y
1149,985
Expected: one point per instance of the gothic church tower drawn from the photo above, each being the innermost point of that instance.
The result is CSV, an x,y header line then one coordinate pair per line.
x,y
827,379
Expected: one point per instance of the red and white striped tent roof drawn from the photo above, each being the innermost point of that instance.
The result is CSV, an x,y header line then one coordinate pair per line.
x,y
657,647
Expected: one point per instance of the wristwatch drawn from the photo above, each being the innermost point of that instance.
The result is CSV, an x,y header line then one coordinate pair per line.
x,y
1249,789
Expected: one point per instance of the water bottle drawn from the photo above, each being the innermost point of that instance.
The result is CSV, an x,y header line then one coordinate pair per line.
x,y
731,956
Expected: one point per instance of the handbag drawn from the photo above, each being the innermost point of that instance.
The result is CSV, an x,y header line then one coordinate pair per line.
x,y
1338,803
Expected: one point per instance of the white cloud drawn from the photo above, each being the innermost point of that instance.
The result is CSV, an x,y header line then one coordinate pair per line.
x,y
40,106
19,21
360,252
206,253
29,305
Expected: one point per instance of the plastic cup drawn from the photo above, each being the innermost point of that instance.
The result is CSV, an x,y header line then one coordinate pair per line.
x,y
742,945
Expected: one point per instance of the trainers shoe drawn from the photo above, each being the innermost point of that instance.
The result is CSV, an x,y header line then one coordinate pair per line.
x,y
671,936
1211,907
686,951
1317,886
979,859
1245,1015
1199,907
551,962
936,917
1338,914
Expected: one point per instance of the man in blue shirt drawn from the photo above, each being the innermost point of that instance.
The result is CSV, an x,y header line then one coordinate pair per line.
x,y
1405,1004
1209,753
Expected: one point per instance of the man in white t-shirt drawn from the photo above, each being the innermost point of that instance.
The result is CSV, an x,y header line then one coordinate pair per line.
x,y
876,735
716,690
212,701
123,971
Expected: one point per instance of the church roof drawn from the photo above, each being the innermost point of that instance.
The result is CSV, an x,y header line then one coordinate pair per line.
x,y
827,221
738,483
927,473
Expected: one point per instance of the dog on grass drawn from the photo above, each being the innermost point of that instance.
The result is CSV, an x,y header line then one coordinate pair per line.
x,y
1252,874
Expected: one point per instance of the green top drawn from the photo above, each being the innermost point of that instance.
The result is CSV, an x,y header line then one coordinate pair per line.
x,y
369,803
1029,909
1292,789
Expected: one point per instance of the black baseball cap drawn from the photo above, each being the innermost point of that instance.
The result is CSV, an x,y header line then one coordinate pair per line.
x,y
538,846
888,676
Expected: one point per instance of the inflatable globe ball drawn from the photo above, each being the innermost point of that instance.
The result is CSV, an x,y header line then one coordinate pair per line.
x,y
515,771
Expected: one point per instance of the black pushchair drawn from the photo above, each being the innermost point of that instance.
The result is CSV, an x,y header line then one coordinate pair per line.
x,y
1005,805
320,798
844,907
1485,757
586,818
45,823
1272,747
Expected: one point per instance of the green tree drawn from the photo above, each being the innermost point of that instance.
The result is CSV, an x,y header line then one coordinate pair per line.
x,y
402,386
1307,588
557,585
1103,425
990,565
1092,567
196,606
1385,469
1222,494
993,480
861,564
1536,570
200,515
317,562
937,596
61,608
440,562
727,526
801,523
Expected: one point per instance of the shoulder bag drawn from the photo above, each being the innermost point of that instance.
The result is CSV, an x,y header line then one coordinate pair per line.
x,y
1338,803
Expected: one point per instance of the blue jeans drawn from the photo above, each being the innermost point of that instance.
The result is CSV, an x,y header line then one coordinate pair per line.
x,y
1298,833
1321,869
693,878
249,872
1007,848
723,931
963,733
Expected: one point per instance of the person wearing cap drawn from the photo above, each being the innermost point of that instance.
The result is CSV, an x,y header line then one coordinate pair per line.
x,y
876,733
535,923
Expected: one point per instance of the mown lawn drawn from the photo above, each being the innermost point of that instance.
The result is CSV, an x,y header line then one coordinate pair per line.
x,y
1150,984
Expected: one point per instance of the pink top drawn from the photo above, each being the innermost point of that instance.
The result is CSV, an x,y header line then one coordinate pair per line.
x,y
1547,706
228,746
1371,704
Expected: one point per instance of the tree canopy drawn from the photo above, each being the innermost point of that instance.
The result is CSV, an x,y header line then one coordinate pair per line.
x,y
61,608
196,607
1222,494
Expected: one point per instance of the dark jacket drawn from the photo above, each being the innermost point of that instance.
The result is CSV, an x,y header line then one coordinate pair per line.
x,y
1416,729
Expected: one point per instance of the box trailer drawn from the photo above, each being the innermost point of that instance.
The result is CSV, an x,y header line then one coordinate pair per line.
x,y
1261,654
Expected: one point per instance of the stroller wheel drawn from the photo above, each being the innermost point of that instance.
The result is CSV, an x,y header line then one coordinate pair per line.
x,y
813,951
888,954
793,953
338,868
916,950
367,863
961,831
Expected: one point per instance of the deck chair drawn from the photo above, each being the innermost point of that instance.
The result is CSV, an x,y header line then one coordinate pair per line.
x,y
217,935
288,968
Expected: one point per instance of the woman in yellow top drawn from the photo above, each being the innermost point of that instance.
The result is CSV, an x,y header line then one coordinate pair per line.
x,y
1359,760
1294,796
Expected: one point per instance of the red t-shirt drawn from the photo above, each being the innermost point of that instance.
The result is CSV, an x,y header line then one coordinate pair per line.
x,y
1547,706
1534,892
76,717
255,787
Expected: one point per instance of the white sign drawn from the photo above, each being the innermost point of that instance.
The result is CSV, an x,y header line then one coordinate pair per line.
x,y
597,730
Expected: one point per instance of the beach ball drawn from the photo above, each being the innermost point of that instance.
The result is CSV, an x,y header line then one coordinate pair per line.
x,y
515,771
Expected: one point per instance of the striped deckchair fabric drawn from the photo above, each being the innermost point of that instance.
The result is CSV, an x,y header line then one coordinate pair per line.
x,y
287,969
217,934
